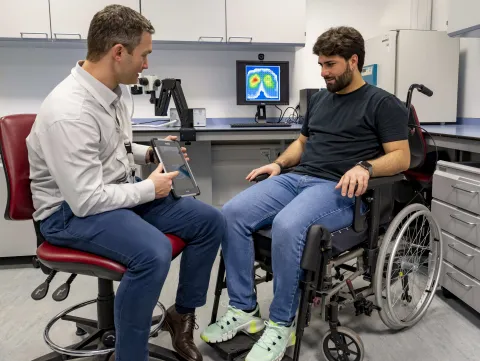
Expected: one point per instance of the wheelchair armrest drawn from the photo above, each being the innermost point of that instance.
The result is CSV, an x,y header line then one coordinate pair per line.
x,y
264,176
381,181
317,244
373,184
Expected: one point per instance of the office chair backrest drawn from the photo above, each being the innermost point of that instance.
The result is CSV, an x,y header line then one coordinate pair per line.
x,y
418,146
14,130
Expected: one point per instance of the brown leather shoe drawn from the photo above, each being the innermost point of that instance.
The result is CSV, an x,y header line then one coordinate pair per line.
x,y
181,329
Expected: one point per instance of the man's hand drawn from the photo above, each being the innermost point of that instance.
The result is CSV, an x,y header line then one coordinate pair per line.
x,y
162,181
271,169
356,175
184,150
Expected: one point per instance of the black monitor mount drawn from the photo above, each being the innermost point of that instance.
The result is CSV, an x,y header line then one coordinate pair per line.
x,y
173,87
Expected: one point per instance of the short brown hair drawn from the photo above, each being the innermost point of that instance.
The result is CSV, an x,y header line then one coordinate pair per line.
x,y
115,24
342,41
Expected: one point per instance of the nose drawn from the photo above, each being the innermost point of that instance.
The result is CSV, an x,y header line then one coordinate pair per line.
x,y
145,65
325,73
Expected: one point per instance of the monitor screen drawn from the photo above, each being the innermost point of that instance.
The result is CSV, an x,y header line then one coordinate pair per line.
x,y
262,82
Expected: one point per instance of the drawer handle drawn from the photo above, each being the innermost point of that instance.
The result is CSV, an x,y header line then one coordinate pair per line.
x,y
22,34
461,220
211,37
463,189
67,34
240,37
452,246
468,287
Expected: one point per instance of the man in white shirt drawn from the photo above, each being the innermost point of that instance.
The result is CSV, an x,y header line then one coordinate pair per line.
x,y
86,198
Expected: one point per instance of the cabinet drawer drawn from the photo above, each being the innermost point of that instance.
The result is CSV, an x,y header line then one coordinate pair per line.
x,y
461,224
464,287
457,191
461,255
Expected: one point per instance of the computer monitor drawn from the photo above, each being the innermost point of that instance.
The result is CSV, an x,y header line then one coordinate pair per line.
x,y
263,83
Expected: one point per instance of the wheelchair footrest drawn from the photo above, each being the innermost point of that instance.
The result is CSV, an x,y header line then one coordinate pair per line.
x,y
238,347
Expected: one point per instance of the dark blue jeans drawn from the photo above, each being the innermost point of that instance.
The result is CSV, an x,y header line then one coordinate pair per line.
x,y
136,238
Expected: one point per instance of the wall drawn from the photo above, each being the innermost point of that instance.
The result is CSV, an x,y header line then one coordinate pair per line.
x,y
469,75
370,17
27,75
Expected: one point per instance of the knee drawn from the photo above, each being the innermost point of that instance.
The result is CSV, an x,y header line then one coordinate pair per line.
x,y
283,227
153,260
216,222
233,210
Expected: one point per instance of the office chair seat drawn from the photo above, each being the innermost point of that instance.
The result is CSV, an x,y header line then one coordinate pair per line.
x,y
78,262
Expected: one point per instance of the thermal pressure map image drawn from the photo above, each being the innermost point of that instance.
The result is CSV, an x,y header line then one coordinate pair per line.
x,y
263,83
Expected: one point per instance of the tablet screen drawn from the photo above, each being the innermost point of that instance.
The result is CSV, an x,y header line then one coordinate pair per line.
x,y
173,160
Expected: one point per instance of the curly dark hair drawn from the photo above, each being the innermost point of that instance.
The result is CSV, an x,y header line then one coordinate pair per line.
x,y
342,41
115,24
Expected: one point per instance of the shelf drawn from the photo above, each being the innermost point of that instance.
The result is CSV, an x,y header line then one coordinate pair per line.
x,y
157,45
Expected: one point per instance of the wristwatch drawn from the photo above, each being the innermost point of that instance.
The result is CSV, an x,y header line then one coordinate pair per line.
x,y
365,165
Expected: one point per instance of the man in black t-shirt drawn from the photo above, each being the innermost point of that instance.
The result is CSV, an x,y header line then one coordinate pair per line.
x,y
353,131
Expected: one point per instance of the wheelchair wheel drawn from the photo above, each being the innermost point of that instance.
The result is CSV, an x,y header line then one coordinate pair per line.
x,y
408,267
351,350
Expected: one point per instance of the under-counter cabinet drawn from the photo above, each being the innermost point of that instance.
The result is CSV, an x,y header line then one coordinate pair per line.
x,y
456,206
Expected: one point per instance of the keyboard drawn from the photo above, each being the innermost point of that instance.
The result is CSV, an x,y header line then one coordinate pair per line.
x,y
259,125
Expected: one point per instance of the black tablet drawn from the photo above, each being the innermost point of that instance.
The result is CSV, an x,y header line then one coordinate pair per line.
x,y
169,153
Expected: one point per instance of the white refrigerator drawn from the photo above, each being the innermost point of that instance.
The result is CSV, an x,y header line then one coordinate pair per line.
x,y
397,59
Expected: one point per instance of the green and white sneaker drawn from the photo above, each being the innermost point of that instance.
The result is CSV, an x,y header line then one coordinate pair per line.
x,y
233,321
273,343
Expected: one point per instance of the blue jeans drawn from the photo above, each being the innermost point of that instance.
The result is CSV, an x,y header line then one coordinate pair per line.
x,y
291,203
136,238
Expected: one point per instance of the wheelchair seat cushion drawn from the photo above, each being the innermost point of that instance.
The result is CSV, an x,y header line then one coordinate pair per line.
x,y
342,240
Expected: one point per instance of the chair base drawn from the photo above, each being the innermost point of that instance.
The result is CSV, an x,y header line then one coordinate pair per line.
x,y
94,342
238,347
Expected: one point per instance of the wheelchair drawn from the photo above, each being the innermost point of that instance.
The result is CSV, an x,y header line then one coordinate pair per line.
x,y
395,247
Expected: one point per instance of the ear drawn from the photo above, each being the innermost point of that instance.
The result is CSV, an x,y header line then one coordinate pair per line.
x,y
117,51
354,62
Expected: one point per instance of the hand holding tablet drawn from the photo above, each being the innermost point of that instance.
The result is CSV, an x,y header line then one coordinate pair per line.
x,y
171,156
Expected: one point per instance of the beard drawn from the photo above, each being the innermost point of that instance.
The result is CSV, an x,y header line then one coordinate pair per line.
x,y
341,82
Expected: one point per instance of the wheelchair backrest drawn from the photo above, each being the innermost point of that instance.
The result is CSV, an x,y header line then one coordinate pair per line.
x,y
418,146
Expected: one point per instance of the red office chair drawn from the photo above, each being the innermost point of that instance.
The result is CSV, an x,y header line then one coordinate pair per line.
x,y
100,341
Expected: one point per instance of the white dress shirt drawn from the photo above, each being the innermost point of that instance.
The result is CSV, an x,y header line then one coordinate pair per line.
x,y
77,153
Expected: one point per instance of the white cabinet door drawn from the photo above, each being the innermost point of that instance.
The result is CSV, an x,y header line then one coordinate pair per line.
x,y
186,20
464,18
266,21
71,18
24,18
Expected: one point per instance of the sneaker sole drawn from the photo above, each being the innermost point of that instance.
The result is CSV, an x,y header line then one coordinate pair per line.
x,y
247,327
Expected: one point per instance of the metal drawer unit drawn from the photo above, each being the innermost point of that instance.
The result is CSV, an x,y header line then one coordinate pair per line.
x,y
456,206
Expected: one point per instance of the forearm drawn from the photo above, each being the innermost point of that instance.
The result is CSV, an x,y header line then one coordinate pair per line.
x,y
139,153
390,164
291,156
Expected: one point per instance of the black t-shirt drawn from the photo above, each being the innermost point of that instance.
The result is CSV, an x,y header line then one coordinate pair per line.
x,y
343,129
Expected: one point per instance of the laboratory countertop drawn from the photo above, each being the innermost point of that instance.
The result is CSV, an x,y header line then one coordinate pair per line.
x,y
469,131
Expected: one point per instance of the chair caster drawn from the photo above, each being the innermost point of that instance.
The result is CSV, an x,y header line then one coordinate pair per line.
x,y
80,332
342,344
35,262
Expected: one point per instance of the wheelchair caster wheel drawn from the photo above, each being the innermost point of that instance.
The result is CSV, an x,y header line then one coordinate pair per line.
x,y
447,294
155,334
407,298
80,332
346,347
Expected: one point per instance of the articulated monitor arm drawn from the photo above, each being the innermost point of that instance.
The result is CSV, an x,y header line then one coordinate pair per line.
x,y
172,87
